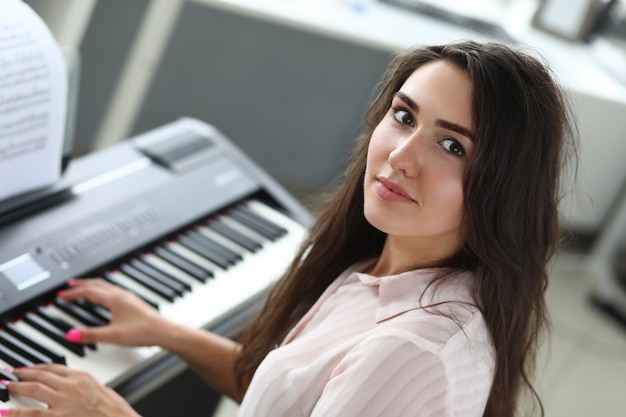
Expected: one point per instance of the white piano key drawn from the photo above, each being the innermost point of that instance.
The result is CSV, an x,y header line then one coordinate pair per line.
x,y
39,337
170,269
271,214
192,256
133,285
242,228
229,244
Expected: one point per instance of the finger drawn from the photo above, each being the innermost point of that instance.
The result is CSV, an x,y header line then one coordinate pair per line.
x,y
50,375
101,293
106,334
54,368
25,412
33,389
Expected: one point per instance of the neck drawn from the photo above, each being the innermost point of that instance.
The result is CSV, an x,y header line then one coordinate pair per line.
x,y
401,254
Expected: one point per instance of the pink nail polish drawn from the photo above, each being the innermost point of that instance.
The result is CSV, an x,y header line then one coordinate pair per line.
x,y
71,281
74,336
4,412
5,382
60,293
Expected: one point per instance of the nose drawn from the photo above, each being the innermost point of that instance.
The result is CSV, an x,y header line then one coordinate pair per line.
x,y
407,154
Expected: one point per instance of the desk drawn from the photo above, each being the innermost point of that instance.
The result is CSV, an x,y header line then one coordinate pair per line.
x,y
378,25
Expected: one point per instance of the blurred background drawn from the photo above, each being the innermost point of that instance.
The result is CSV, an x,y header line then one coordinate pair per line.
x,y
288,81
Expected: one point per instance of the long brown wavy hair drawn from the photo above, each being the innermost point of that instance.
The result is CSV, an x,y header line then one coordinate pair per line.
x,y
512,184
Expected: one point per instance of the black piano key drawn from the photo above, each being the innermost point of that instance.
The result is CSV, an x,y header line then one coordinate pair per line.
x,y
13,358
153,285
49,351
59,323
201,250
23,349
261,228
181,287
55,321
4,393
183,264
96,310
247,211
53,333
79,313
234,235
111,279
231,256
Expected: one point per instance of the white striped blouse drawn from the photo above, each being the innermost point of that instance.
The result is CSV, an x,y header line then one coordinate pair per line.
x,y
369,348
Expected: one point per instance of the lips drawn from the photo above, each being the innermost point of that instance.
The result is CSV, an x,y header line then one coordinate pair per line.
x,y
388,190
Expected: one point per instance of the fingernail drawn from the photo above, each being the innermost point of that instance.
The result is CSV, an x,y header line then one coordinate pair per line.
x,y
74,336
71,281
4,381
4,412
60,293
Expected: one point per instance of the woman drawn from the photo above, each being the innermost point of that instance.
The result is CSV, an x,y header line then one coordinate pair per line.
x,y
420,289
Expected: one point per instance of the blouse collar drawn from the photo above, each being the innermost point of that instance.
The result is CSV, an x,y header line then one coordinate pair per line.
x,y
411,290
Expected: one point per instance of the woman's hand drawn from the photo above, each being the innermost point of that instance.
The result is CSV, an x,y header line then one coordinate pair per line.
x,y
133,322
67,392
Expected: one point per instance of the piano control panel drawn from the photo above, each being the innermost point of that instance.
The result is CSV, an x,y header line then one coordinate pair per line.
x,y
177,215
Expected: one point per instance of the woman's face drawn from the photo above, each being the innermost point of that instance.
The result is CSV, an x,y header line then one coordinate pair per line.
x,y
417,156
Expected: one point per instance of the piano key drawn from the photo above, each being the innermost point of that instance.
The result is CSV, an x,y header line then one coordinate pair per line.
x,y
8,376
153,285
171,270
98,311
55,321
222,240
251,222
4,393
250,209
180,286
23,349
230,255
234,235
75,310
201,250
259,211
58,318
153,263
13,358
4,374
193,269
53,333
115,280
192,257
52,353
244,229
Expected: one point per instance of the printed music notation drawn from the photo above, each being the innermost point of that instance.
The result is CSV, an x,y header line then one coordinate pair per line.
x,y
33,95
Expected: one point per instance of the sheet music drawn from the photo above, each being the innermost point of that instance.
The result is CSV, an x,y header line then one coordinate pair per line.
x,y
33,95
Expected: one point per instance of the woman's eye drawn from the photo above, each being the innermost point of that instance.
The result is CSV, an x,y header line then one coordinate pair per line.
x,y
453,146
403,116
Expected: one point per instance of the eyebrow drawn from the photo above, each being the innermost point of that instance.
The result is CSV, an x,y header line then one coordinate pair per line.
x,y
441,123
